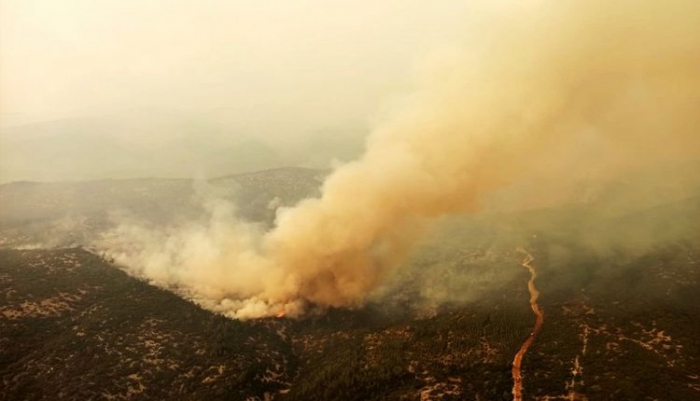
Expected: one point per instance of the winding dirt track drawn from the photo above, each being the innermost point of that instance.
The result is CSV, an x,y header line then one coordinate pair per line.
x,y
534,294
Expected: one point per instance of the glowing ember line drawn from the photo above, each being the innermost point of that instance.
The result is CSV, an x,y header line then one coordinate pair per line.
x,y
534,294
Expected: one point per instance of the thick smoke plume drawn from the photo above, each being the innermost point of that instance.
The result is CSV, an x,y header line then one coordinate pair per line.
x,y
538,91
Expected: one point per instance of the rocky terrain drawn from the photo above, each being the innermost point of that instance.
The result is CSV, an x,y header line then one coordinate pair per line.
x,y
620,322
75,327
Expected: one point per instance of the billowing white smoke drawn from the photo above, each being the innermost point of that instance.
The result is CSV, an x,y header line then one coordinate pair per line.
x,y
534,85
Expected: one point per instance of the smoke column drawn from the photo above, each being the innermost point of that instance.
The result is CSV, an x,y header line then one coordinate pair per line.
x,y
548,89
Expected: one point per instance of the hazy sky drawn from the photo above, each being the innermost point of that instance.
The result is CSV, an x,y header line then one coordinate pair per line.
x,y
261,65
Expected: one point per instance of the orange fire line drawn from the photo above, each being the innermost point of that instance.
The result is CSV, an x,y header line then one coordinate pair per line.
x,y
534,294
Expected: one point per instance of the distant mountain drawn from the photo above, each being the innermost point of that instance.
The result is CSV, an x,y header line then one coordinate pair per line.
x,y
70,213
84,149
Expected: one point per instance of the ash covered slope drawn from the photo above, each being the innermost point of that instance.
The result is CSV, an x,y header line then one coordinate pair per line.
x,y
620,321
619,326
75,327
